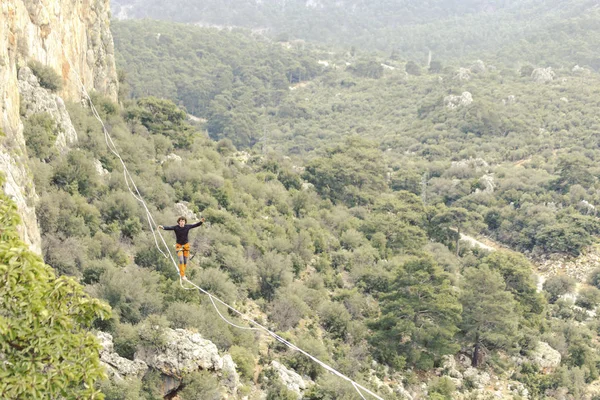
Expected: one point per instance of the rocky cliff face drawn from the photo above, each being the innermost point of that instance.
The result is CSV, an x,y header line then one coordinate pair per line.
x,y
72,37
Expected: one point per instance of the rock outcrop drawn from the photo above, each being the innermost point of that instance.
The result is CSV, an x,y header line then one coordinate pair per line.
x,y
545,356
453,101
118,367
292,380
74,39
543,75
180,352
35,99
183,352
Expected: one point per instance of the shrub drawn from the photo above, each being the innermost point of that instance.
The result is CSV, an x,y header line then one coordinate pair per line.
x,y
201,385
588,298
558,285
244,360
46,75
40,136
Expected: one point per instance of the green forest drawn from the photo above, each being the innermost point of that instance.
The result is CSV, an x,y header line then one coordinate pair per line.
x,y
335,187
550,33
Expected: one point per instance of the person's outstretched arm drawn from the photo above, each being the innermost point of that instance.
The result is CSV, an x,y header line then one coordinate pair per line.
x,y
166,228
197,224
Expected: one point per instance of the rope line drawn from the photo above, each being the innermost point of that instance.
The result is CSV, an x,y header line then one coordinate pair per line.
x,y
131,186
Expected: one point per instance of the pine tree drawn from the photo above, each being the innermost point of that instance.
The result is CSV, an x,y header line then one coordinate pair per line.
x,y
419,316
489,319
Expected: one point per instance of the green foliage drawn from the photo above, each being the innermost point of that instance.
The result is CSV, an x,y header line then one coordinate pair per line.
x,y
489,317
46,75
516,271
46,347
420,314
588,297
200,386
244,360
412,68
40,133
442,388
594,278
351,174
275,389
163,117
558,285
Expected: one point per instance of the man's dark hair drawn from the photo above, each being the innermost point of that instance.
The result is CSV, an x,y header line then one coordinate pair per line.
x,y
181,218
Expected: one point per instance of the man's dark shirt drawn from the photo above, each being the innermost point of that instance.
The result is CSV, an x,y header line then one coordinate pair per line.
x,y
182,232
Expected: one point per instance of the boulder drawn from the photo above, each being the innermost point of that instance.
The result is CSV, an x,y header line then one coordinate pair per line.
x,y
35,99
183,352
453,101
231,379
545,356
118,367
477,378
543,75
463,74
182,209
449,367
291,379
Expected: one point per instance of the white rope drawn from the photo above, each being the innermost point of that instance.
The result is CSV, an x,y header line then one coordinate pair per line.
x,y
152,223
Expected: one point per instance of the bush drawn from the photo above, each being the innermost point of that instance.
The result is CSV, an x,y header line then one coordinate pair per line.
x,y
588,298
46,75
244,360
201,385
558,285
40,136
594,278
442,387
335,319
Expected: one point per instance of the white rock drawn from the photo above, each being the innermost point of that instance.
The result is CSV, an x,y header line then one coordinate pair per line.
x,y
118,367
35,99
479,379
291,379
184,352
453,101
231,379
543,75
182,209
463,74
545,356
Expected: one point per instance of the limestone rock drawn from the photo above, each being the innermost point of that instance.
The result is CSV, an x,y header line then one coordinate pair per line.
x,y
118,367
184,352
472,163
449,367
487,181
54,32
291,379
99,168
183,210
477,378
545,356
35,99
170,157
463,74
453,101
399,389
543,75
231,379
512,99
580,70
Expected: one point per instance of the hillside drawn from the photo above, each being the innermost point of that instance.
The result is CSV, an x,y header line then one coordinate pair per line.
x,y
549,33
336,188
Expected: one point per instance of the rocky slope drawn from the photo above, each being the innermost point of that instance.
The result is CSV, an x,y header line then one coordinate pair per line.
x,y
69,36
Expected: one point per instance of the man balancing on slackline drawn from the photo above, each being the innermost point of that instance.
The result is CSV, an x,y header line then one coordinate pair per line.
x,y
182,247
